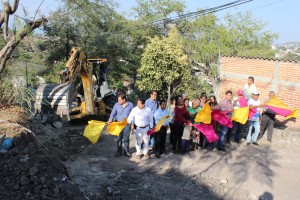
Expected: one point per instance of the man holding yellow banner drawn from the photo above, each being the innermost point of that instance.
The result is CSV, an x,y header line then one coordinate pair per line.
x,y
121,111
267,119
239,102
162,124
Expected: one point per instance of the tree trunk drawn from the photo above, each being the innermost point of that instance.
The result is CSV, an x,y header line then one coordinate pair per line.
x,y
169,97
4,18
15,40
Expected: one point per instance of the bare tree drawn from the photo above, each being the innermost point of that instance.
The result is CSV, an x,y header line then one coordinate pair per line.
x,y
15,39
4,18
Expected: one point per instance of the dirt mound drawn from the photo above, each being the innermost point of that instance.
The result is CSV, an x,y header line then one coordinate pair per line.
x,y
15,114
28,173
29,170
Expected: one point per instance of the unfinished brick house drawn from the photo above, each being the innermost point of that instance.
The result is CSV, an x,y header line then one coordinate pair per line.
x,y
280,76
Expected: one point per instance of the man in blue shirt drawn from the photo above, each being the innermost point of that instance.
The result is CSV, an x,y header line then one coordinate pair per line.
x,y
119,112
160,136
152,104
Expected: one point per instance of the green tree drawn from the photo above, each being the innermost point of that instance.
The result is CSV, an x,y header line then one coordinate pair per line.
x,y
291,56
146,25
164,64
240,35
94,26
155,15
246,36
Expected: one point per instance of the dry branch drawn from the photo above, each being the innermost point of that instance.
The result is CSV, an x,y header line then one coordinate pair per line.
x,y
4,18
6,52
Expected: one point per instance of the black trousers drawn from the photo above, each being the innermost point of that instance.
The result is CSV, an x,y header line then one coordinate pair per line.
x,y
160,140
171,132
201,140
267,122
178,132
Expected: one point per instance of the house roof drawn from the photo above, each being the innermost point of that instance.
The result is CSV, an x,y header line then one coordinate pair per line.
x,y
262,58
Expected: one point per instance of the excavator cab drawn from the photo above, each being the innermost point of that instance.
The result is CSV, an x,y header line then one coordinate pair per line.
x,y
78,93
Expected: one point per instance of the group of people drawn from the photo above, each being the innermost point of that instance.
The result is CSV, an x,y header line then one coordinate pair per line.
x,y
184,137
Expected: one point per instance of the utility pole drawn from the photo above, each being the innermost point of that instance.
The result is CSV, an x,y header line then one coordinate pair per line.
x,y
26,74
218,68
67,44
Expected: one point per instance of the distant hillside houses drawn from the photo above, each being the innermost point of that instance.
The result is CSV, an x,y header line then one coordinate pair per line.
x,y
287,50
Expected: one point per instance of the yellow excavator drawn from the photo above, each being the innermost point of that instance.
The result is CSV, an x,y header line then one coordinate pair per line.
x,y
82,90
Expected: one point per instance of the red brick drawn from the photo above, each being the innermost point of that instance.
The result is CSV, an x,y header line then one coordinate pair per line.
x,y
288,71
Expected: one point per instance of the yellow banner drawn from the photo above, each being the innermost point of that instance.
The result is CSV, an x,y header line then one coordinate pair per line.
x,y
93,130
115,128
204,115
160,123
280,108
294,114
241,115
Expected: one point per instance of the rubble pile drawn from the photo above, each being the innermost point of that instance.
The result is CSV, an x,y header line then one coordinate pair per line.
x,y
14,114
28,170
27,173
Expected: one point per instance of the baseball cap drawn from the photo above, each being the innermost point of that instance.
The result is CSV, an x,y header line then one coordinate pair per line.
x,y
240,92
255,92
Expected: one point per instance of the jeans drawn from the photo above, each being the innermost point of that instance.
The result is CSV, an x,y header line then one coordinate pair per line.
x,y
256,126
125,134
185,146
228,135
152,141
152,137
223,131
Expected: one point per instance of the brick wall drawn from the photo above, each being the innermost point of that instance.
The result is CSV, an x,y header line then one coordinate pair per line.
x,y
283,77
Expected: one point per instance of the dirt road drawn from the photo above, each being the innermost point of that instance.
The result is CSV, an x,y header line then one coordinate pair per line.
x,y
72,168
268,171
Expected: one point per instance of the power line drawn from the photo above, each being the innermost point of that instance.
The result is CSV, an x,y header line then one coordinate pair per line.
x,y
265,5
177,18
189,15
193,14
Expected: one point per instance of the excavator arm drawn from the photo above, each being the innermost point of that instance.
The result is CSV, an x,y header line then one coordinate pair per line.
x,y
64,98
78,65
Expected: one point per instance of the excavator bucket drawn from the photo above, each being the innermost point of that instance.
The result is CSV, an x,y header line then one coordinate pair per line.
x,y
56,98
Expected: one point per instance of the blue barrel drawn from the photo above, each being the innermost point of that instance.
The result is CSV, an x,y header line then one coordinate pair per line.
x,y
7,143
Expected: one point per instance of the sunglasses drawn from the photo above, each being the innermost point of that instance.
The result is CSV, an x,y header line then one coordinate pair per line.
x,y
256,94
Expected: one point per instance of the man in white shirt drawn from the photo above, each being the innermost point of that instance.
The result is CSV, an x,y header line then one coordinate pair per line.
x,y
142,120
254,121
249,88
